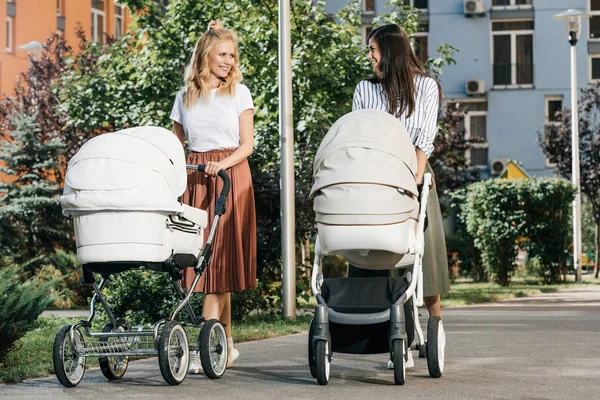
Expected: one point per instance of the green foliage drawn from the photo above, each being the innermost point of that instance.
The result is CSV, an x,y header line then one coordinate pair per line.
x,y
134,80
502,215
143,296
31,222
20,305
547,204
63,267
556,143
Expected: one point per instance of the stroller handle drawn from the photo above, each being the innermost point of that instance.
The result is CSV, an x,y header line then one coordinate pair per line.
x,y
220,209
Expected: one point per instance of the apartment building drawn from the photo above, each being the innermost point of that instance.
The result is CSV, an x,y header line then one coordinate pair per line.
x,y
513,68
27,23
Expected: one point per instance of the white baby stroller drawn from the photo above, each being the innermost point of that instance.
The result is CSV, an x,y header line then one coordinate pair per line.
x,y
369,210
122,190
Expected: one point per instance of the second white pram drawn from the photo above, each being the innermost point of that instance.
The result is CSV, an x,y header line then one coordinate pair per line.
x,y
369,210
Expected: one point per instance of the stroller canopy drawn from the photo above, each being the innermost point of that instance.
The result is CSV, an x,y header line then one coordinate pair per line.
x,y
140,169
366,146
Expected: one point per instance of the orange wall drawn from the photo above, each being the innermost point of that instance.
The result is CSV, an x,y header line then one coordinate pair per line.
x,y
36,20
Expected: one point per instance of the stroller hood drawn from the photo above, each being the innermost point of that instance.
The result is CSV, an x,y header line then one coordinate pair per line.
x,y
366,147
140,168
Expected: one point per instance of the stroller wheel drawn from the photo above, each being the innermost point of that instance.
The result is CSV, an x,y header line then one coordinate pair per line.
x,y
436,343
173,353
397,356
213,348
113,367
322,362
69,365
312,365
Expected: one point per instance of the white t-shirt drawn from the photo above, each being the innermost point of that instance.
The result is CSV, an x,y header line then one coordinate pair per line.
x,y
215,124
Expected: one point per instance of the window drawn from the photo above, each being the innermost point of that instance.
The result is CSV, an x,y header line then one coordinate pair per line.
x,y
420,41
98,21
512,53
9,35
368,6
59,7
366,31
420,4
594,8
594,67
553,104
474,125
509,3
119,20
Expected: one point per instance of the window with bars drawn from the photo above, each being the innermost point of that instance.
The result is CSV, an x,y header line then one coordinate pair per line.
x,y
512,53
98,20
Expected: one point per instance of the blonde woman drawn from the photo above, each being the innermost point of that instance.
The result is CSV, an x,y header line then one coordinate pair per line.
x,y
215,113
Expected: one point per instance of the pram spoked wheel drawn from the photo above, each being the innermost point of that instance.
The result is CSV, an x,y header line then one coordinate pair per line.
x,y
213,348
113,367
397,357
436,343
69,365
173,353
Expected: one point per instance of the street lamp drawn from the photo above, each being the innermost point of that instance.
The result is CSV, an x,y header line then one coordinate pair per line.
x,y
34,47
572,20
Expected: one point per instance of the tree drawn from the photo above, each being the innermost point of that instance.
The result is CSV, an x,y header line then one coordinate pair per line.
x,y
34,95
31,222
555,141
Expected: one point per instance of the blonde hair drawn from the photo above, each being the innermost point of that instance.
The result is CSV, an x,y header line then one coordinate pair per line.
x,y
197,71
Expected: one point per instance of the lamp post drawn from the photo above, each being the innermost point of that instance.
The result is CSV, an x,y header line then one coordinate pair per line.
x,y
572,20
33,47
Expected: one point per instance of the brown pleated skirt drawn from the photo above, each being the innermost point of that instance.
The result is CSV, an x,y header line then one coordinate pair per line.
x,y
435,258
233,264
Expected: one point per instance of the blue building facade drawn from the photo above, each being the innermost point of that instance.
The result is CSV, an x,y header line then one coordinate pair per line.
x,y
513,68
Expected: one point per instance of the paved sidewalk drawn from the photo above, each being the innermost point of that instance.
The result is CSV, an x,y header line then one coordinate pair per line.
x,y
540,347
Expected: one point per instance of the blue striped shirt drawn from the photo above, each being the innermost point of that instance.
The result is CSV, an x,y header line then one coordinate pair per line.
x,y
422,124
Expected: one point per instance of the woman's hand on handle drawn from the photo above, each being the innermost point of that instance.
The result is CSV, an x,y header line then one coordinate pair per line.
x,y
213,167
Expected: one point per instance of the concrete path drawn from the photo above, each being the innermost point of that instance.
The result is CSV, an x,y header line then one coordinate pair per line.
x,y
540,347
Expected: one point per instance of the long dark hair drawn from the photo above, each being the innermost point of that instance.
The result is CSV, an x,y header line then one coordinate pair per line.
x,y
397,68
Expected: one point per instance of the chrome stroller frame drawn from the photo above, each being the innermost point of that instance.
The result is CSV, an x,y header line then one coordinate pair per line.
x,y
402,316
167,338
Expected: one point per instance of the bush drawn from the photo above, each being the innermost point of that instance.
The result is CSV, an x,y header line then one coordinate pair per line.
x,y
63,267
20,305
503,215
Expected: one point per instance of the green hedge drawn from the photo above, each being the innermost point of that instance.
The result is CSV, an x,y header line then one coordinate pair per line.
x,y
502,215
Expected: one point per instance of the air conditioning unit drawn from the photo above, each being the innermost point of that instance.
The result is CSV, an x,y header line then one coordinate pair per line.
x,y
475,86
473,7
499,166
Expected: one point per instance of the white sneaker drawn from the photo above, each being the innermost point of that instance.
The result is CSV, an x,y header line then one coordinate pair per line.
x,y
409,363
232,355
195,363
